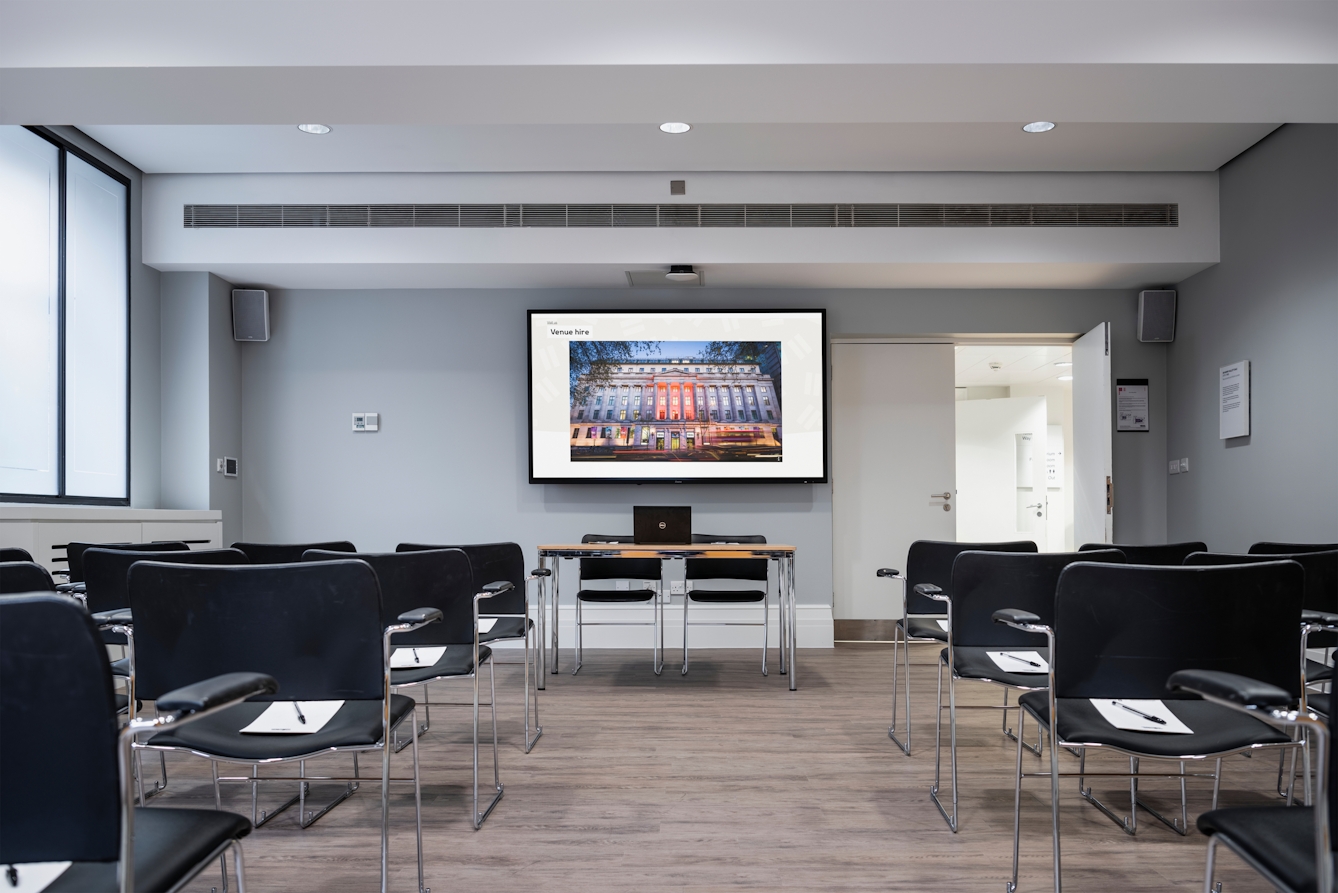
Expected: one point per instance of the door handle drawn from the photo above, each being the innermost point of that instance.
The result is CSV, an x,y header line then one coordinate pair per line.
x,y
943,495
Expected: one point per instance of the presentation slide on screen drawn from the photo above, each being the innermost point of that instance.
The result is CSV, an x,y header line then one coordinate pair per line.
x,y
677,396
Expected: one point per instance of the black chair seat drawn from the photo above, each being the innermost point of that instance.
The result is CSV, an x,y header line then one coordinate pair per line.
x,y
924,628
1216,729
1319,702
1281,840
727,596
169,844
1316,671
506,628
357,723
614,595
456,660
974,663
121,667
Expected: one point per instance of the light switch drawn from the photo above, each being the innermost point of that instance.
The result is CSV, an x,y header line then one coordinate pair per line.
x,y
1184,466
366,421
1174,466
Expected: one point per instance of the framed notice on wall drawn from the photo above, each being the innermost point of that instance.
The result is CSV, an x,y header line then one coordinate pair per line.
x,y
1131,404
1233,400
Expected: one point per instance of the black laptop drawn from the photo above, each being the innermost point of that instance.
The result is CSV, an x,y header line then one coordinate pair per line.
x,y
662,525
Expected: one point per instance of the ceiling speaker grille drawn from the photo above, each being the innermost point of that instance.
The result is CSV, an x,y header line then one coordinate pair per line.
x,y
678,215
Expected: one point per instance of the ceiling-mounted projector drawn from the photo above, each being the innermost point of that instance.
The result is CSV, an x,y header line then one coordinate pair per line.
x,y
681,273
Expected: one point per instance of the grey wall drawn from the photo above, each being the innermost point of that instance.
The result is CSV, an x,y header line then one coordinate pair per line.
x,y
1273,300
201,417
446,369
145,435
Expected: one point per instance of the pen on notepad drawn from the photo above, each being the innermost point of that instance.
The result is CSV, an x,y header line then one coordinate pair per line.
x,y
415,656
1019,659
300,718
1148,716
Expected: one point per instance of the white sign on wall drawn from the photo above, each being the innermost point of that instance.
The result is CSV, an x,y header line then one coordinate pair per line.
x,y
1234,400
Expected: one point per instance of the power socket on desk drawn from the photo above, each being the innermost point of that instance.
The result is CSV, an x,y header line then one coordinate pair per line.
x,y
675,587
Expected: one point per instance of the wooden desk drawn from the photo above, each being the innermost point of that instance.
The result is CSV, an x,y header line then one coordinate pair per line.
x,y
552,555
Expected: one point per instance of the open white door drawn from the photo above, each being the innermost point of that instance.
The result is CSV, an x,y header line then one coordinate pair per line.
x,y
893,447
1093,494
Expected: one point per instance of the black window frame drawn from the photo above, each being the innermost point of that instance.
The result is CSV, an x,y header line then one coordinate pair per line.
x,y
66,149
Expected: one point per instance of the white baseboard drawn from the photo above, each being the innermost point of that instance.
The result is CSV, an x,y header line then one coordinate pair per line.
x,y
814,625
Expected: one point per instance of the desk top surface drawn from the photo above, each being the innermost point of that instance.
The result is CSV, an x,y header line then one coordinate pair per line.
x,y
646,550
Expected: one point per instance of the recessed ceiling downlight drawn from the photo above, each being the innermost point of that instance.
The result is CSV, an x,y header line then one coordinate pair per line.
x,y
313,128
1038,126
682,273
675,127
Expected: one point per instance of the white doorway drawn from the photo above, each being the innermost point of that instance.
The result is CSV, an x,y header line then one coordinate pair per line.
x,y
1014,444
893,429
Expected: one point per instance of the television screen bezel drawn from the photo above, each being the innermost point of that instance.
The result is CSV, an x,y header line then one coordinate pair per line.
x,y
529,403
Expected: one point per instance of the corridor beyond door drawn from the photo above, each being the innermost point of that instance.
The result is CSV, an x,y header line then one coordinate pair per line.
x,y
893,474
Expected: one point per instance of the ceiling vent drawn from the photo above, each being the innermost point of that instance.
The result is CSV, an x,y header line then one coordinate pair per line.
x,y
679,215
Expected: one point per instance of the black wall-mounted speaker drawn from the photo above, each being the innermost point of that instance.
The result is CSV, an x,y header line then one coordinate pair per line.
x,y
250,314
1156,315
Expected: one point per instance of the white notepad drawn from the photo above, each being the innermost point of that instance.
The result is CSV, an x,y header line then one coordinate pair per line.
x,y
280,718
1119,713
408,658
486,624
943,625
1019,661
35,876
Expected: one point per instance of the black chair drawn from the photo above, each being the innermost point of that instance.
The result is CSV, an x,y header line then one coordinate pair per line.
x,y
74,553
1291,548
509,611
982,583
289,553
13,553
630,570
24,576
441,579
1291,848
316,628
748,570
1120,632
923,619
66,800
1163,555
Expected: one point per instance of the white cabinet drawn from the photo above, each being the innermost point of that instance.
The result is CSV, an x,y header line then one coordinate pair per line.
x,y
45,529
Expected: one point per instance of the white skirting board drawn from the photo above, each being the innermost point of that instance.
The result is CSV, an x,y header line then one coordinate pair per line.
x,y
814,624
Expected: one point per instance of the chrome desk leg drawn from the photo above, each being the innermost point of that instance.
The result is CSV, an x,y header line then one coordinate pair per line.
x,y
557,602
794,632
781,611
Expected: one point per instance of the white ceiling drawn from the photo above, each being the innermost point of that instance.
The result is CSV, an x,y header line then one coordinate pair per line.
x,y
1018,364
157,148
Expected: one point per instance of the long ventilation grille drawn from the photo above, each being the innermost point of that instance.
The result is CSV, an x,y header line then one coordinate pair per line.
x,y
748,216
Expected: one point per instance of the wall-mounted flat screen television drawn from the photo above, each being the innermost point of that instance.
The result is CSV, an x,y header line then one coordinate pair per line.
x,y
722,396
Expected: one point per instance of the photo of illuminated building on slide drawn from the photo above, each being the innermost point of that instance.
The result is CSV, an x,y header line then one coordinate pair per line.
x,y
676,401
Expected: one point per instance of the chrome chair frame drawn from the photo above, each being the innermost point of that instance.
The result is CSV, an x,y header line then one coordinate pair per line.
x,y
657,624
476,817
1133,774
765,624
535,576
901,642
931,591
385,747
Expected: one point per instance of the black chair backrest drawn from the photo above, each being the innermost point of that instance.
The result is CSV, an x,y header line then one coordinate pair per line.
x,y
1290,548
1166,555
288,553
106,571
1120,632
1321,573
24,576
727,568
315,627
617,568
929,561
437,578
14,553
74,553
491,563
984,582
61,795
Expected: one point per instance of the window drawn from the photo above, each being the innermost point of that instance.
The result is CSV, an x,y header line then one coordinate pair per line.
x,y
580,414
64,341
575,433
609,415
770,416
622,415
593,433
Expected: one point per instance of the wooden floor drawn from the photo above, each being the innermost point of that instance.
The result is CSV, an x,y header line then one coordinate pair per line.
x,y
726,780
